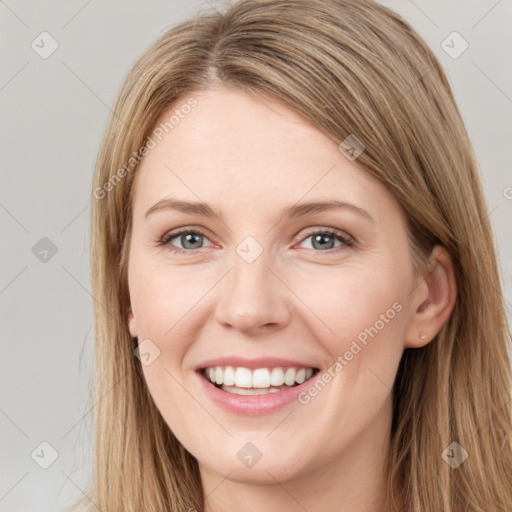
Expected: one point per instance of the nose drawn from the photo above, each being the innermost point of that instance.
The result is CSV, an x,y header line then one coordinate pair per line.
x,y
253,297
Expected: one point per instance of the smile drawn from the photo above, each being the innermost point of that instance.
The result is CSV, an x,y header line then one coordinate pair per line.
x,y
260,381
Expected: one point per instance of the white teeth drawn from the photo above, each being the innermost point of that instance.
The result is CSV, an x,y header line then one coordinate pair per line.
x,y
258,379
219,375
229,376
243,378
252,391
261,378
289,377
277,377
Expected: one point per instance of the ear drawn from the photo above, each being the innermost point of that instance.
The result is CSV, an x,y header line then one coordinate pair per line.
x,y
432,300
132,323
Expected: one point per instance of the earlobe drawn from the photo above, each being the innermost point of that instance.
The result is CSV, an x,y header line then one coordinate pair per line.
x,y
433,300
132,324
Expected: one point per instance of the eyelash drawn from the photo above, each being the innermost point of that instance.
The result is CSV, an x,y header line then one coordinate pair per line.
x,y
344,238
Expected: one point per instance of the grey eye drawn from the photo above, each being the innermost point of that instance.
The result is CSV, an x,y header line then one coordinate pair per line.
x,y
322,241
191,240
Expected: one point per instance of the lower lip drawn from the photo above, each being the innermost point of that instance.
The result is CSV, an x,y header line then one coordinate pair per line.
x,y
253,405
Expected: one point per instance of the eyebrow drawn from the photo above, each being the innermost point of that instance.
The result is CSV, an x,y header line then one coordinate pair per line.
x,y
296,210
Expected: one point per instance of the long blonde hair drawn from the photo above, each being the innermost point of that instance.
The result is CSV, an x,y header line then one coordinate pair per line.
x,y
348,67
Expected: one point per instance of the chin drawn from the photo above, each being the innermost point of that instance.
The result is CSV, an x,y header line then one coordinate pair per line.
x,y
276,466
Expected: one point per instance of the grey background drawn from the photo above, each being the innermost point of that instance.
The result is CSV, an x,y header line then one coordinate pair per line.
x,y
53,113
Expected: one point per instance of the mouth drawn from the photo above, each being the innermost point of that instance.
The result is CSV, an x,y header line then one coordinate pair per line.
x,y
259,381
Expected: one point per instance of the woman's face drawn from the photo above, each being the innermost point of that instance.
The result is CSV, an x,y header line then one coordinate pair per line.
x,y
264,285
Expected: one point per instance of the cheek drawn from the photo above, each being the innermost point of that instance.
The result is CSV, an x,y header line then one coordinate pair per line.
x,y
359,316
163,298
165,384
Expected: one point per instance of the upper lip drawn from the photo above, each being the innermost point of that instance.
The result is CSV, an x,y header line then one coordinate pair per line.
x,y
261,362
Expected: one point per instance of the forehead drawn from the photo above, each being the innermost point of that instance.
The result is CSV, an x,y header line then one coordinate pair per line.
x,y
262,153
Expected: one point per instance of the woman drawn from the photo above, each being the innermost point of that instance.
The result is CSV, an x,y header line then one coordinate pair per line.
x,y
298,355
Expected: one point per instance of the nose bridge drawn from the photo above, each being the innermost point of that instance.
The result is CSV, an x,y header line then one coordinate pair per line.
x,y
253,296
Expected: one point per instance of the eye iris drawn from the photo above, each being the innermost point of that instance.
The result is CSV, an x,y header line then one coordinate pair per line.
x,y
189,237
321,239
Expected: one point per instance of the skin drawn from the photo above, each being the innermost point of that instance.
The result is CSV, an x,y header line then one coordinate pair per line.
x,y
249,161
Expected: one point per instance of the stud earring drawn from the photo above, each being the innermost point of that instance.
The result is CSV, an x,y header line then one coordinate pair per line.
x,y
423,336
